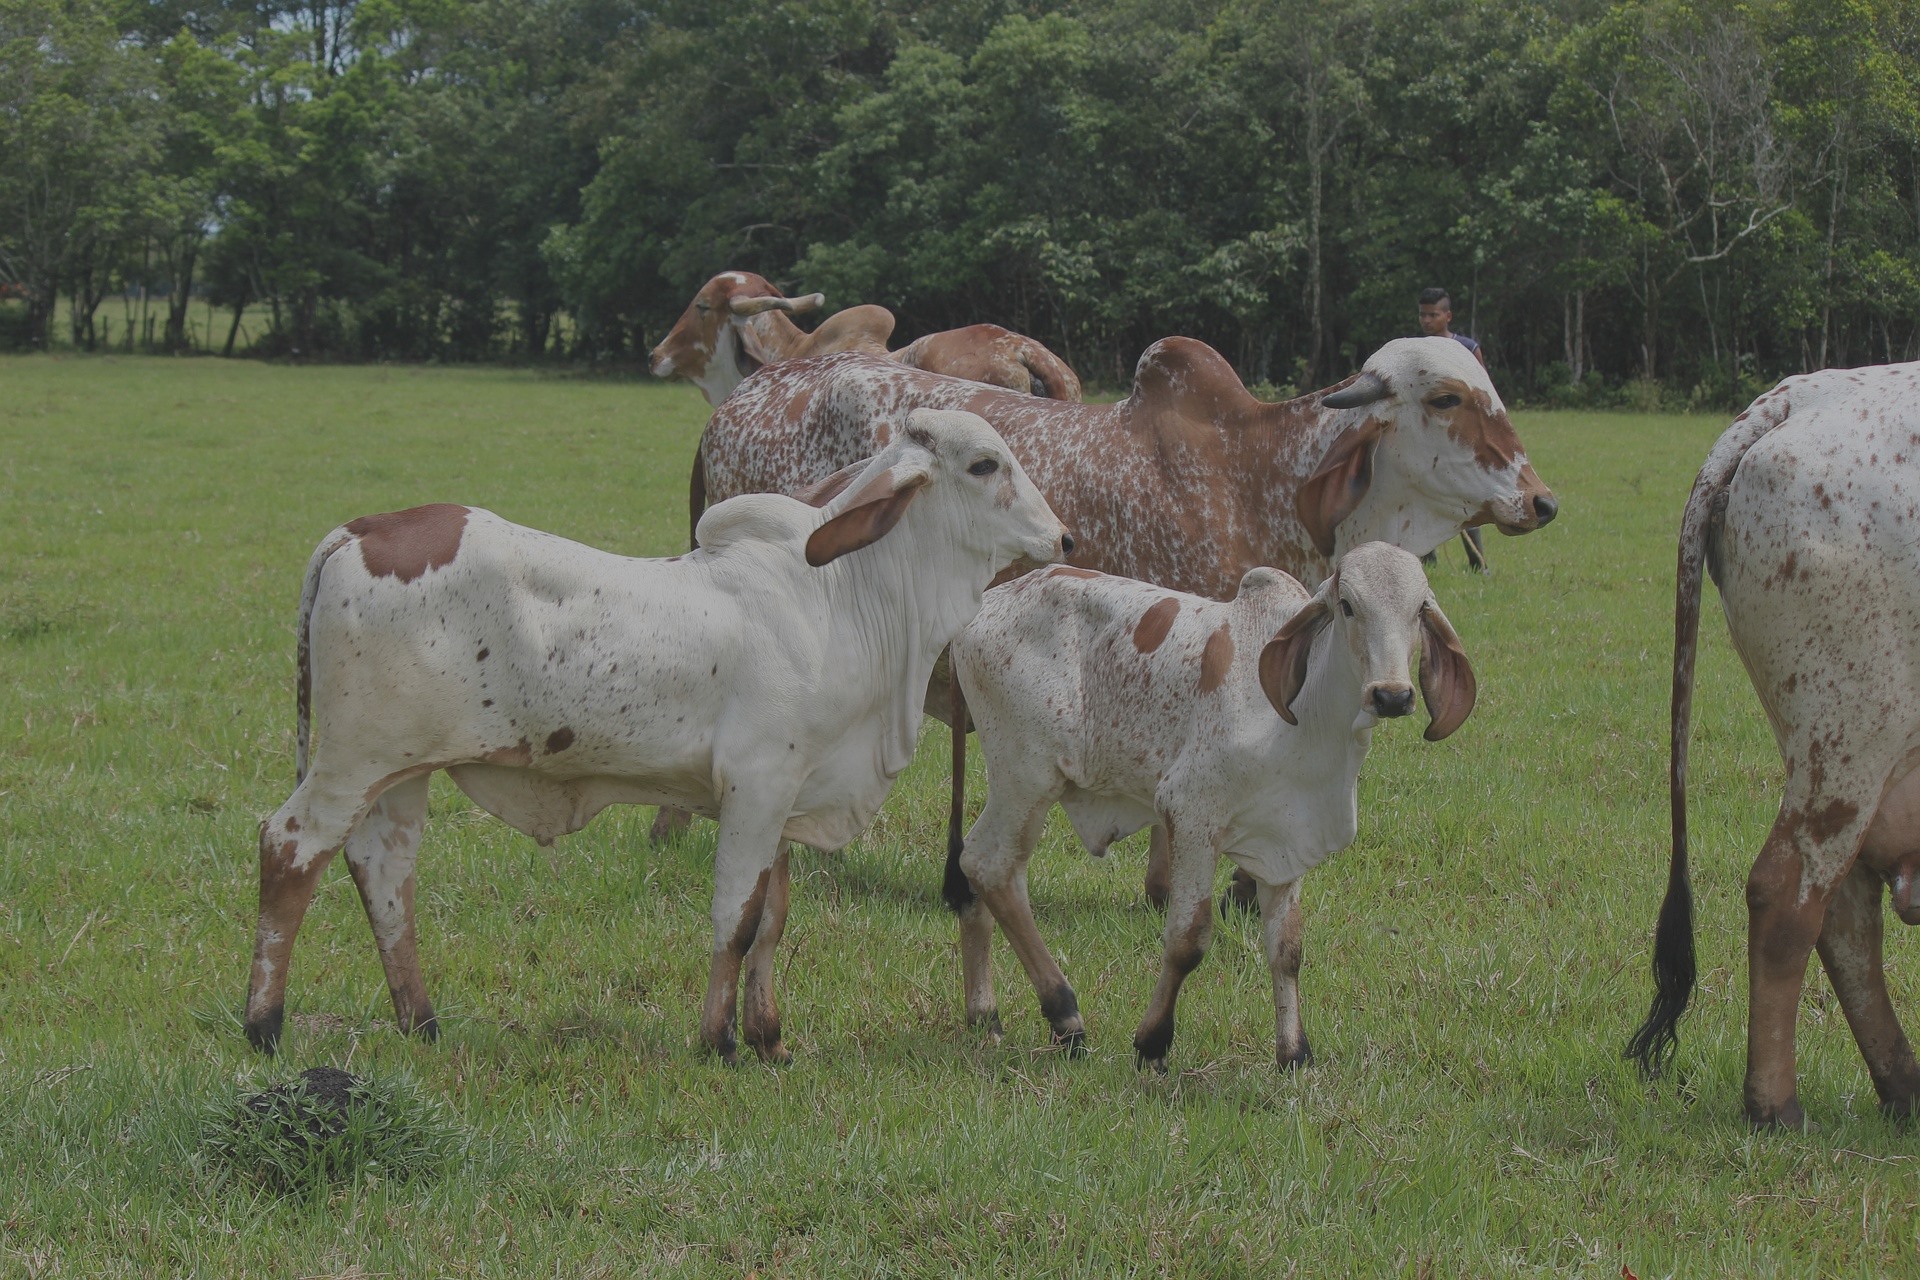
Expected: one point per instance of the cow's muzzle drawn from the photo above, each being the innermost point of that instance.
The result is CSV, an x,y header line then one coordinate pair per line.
x,y
1390,701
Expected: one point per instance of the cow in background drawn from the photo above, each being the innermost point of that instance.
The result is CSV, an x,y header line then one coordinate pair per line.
x,y
739,322
1807,514
1189,481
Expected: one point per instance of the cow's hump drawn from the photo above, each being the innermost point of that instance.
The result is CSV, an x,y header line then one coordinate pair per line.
x,y
1186,378
755,517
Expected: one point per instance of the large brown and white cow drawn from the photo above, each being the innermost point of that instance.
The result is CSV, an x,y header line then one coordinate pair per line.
x,y
738,322
1807,514
1239,726
1188,482
772,679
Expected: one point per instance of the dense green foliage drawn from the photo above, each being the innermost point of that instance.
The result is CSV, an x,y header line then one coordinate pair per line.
x,y
1707,193
1473,964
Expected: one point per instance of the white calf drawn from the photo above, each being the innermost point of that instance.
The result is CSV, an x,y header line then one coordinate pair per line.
x,y
1130,705
772,679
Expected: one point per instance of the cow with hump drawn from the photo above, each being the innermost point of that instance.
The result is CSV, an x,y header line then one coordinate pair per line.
x,y
1239,727
772,679
1190,481
1807,515
738,322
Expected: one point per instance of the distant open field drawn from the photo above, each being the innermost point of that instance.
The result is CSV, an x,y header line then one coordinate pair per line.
x,y
1473,963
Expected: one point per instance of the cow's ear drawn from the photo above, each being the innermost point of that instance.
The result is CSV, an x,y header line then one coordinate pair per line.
x,y
868,515
753,344
1283,663
1336,488
821,492
1446,677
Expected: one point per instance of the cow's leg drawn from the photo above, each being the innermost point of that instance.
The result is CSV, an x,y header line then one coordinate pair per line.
x,y
380,854
1241,893
1159,867
668,823
1189,929
296,844
1282,925
750,842
1850,949
760,1021
1785,914
995,860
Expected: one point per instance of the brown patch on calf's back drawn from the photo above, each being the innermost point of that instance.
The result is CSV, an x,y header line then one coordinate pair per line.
x,y
1071,571
1216,659
405,544
1154,624
559,740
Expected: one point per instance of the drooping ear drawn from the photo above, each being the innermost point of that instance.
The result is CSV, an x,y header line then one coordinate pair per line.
x,y
821,492
873,511
1283,663
1446,677
1332,492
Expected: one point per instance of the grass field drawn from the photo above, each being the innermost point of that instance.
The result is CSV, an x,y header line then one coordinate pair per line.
x,y
1473,963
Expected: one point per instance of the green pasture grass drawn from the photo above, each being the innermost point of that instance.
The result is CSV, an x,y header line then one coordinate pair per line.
x,y
1473,964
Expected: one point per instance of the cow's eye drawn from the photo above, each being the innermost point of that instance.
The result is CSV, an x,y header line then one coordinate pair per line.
x,y
1346,608
1448,401
984,467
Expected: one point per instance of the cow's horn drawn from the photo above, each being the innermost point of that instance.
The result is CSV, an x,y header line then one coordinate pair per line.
x,y
1365,389
754,306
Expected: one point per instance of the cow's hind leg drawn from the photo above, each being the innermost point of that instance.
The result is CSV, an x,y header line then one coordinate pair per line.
x,y
1806,858
1188,931
1850,949
381,853
995,861
1282,925
668,824
760,1020
296,844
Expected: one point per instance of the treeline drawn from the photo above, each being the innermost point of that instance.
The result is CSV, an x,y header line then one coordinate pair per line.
x,y
1673,198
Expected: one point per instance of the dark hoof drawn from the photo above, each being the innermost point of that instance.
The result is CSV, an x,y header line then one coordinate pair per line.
x,y
264,1033
1786,1117
774,1055
1141,1062
1302,1057
1156,896
1074,1042
988,1024
427,1028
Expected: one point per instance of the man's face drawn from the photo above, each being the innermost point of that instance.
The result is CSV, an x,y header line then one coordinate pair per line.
x,y
1435,317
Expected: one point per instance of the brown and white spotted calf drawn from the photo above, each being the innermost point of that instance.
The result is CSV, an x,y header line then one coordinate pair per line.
x,y
1807,514
738,322
1189,482
772,680
1239,727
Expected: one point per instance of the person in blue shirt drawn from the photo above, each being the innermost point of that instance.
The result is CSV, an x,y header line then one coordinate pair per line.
x,y
1436,321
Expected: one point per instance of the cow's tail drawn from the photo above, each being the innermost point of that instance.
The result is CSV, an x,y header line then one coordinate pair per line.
x,y
1673,958
958,890
696,494
1052,378
303,650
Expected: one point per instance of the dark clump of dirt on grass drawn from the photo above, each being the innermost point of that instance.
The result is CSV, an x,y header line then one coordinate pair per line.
x,y
329,1127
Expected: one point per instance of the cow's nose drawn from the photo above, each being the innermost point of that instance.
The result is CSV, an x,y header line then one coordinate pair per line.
x,y
1545,508
1066,544
1389,703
